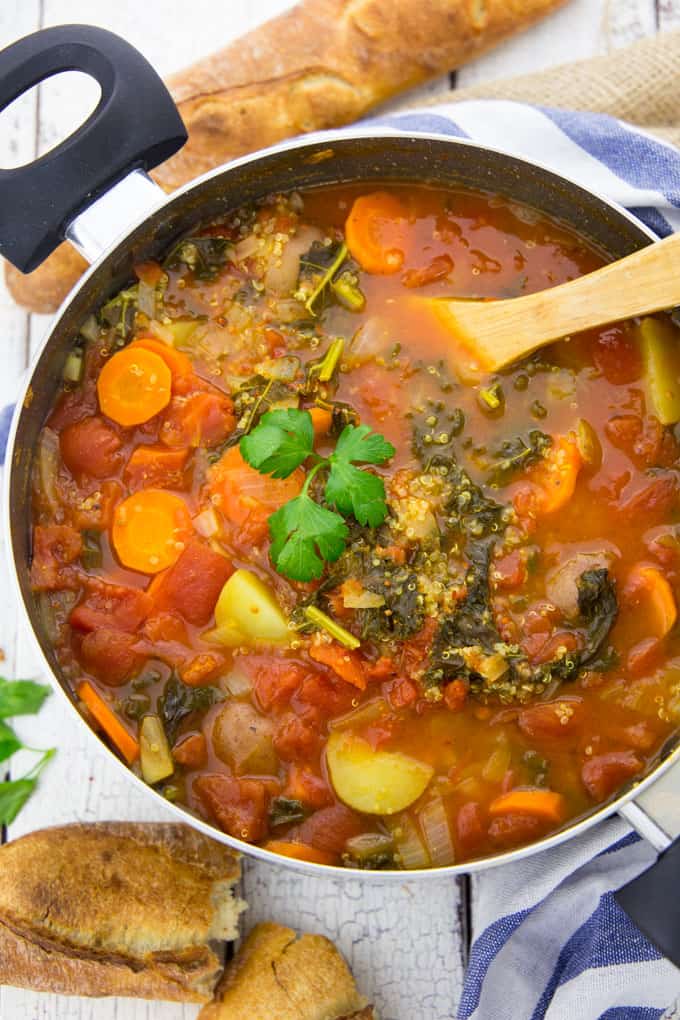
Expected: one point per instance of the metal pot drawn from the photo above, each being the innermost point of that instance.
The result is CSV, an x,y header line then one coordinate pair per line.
x,y
93,190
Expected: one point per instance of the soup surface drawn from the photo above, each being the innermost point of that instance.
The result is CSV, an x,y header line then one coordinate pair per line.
x,y
326,592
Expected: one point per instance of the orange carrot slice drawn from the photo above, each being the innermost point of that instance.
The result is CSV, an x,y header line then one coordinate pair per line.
x,y
556,475
150,530
112,726
321,421
544,804
178,363
301,852
647,585
373,232
342,661
133,386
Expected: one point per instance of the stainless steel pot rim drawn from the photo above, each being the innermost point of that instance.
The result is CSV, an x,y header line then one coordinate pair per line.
x,y
313,142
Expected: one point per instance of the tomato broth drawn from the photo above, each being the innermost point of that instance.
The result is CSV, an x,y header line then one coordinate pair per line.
x,y
326,593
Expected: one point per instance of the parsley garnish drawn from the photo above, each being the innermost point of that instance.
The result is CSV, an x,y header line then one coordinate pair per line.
x,y
19,697
306,535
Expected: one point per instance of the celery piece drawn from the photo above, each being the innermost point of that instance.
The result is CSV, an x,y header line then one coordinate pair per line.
x,y
348,293
73,366
324,622
660,343
154,752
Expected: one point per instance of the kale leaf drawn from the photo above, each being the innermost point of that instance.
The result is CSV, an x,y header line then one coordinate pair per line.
x,y
179,701
518,453
204,256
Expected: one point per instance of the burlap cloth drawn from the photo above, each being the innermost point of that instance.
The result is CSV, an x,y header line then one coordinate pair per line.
x,y
640,84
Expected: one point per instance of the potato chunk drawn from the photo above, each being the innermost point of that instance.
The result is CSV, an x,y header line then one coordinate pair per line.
x,y
242,738
247,613
374,782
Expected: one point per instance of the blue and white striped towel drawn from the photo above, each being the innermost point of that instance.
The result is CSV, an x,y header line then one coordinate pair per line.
x,y
549,941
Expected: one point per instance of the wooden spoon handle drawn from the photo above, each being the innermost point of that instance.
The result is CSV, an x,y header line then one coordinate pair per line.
x,y
502,331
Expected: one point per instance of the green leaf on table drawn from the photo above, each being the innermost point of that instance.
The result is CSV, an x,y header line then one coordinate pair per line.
x,y
9,742
21,697
13,796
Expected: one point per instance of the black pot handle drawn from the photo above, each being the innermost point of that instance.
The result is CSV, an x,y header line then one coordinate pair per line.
x,y
136,124
651,901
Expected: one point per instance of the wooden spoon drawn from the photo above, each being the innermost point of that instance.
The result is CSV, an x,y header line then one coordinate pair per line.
x,y
496,333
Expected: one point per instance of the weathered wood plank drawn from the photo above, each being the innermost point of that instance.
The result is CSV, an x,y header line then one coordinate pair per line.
x,y
401,941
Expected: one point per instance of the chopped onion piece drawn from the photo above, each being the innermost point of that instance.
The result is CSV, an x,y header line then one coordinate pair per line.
x,y
236,683
434,823
207,523
245,248
279,368
90,328
363,600
146,299
162,332
365,714
410,848
47,466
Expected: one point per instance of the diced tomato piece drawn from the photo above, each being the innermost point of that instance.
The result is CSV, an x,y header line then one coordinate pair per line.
x,y
644,656
326,693
438,269
329,829
622,430
156,466
654,501
470,832
73,406
346,663
617,355
640,736
193,584
202,669
166,627
605,773
511,830
414,650
91,447
305,786
553,647
401,692
110,605
239,806
455,695
552,720
382,669
111,655
297,739
191,751
509,571
55,546
149,272
247,498
275,681
95,512
201,419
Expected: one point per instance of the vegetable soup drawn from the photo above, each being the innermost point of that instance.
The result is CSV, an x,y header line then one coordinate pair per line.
x,y
318,586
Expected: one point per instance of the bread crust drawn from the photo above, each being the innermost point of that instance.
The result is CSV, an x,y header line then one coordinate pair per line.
x,y
116,909
322,64
275,974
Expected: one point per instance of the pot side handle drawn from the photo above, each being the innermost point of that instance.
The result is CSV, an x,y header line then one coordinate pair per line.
x,y
135,126
651,900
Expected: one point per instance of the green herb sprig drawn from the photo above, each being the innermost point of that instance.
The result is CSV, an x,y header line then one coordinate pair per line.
x,y
19,697
306,535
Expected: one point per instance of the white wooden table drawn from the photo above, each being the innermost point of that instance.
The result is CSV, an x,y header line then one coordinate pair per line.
x,y
406,944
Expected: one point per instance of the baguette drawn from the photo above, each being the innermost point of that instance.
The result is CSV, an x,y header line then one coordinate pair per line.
x,y
278,975
116,909
322,64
